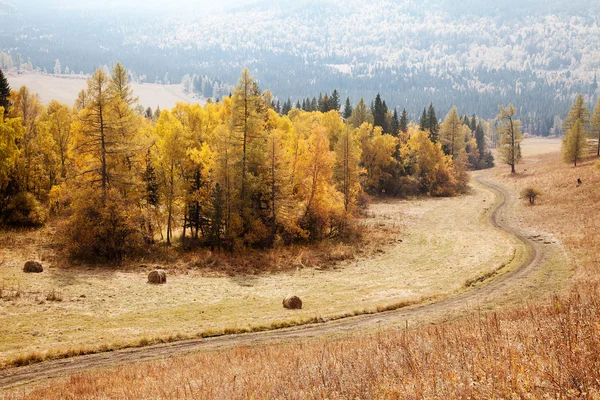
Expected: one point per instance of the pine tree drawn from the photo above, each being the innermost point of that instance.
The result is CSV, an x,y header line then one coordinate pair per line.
x,y
347,109
433,124
334,101
320,103
298,106
574,144
473,123
278,107
480,139
423,122
287,107
379,112
403,125
395,124
510,135
4,93
314,105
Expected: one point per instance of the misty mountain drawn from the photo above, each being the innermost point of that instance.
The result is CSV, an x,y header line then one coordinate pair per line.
x,y
476,54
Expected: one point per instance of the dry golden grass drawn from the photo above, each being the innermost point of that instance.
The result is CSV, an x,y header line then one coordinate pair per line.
x,y
445,243
549,348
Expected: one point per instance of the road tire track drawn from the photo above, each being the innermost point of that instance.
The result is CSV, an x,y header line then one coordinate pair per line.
x,y
452,307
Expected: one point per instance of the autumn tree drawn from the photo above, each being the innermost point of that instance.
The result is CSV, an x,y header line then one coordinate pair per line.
x,y
58,118
595,131
452,134
510,136
347,169
361,114
574,145
579,112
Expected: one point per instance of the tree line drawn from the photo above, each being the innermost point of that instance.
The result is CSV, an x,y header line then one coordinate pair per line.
x,y
229,174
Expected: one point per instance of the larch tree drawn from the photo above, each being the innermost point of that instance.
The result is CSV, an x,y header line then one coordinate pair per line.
x,y
452,134
510,137
579,112
361,114
58,118
170,153
574,145
347,168
595,131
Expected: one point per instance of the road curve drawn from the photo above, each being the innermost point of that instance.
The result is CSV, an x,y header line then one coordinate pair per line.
x,y
452,307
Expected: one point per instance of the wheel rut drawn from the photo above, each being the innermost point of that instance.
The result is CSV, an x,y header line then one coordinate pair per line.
x,y
487,293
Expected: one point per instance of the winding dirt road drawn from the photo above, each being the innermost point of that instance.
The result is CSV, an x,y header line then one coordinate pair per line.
x,y
509,287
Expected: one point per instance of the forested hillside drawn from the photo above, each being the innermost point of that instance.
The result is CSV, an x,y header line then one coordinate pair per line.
x,y
475,55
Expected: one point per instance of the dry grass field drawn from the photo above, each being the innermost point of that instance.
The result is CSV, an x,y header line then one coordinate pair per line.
x,y
66,88
71,310
545,348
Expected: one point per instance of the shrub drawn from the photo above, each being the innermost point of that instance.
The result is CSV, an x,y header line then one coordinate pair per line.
x,y
105,226
23,210
531,194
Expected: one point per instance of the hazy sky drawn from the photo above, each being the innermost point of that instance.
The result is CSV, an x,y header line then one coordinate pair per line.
x,y
132,4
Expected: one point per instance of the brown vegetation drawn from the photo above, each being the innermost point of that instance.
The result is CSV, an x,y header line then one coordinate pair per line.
x,y
292,303
33,266
549,348
157,277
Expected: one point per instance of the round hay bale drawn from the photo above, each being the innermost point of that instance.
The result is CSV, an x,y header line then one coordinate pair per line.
x,y
33,267
157,277
292,303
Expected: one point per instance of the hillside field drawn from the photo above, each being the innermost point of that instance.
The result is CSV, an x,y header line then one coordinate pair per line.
x,y
66,88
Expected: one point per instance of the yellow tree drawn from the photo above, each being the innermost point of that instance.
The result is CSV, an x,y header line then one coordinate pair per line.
x,y
596,126
580,112
428,164
58,118
11,131
574,144
323,204
377,156
453,133
347,166
510,136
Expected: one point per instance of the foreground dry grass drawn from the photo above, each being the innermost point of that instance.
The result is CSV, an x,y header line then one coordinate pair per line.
x,y
65,311
545,349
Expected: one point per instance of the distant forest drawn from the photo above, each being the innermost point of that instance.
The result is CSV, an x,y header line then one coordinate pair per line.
x,y
475,55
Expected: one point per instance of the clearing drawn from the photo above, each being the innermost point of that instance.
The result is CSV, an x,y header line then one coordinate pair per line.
x,y
65,89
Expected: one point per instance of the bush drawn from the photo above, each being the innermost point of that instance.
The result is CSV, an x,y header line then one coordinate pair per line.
x,y
23,210
531,194
104,226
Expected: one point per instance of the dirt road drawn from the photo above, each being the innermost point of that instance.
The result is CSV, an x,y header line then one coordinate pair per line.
x,y
505,289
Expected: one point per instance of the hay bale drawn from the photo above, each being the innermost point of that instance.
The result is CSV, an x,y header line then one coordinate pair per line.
x,y
157,277
33,267
292,303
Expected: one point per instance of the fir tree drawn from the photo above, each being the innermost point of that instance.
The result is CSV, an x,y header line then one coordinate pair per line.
x,y
314,104
298,106
347,109
4,93
379,112
433,124
320,105
480,139
473,123
395,125
403,125
424,122
334,101
287,107
278,107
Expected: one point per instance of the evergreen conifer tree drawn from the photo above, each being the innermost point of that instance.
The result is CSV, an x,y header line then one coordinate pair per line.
x,y
403,126
347,109
334,101
423,122
433,124
4,93
395,125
